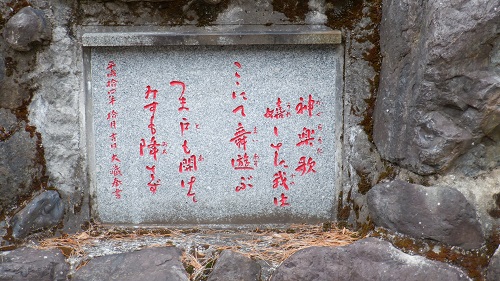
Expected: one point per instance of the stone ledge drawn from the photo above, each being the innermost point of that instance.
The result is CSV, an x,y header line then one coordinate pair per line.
x,y
225,35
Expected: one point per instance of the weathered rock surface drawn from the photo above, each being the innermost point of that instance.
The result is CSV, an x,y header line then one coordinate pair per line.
x,y
153,264
27,264
26,27
44,211
18,162
438,93
493,270
234,266
368,259
442,214
2,67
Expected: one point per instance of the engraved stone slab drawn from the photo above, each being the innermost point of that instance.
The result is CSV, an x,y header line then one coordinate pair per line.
x,y
215,134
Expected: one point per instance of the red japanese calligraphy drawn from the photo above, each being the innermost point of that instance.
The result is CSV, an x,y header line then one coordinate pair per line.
x,y
111,83
185,147
242,162
256,159
112,100
117,193
280,179
112,73
306,167
190,192
111,65
112,117
306,137
188,164
243,184
305,106
184,126
182,98
278,162
116,182
153,183
242,94
282,202
241,109
149,92
152,146
277,113
116,171
240,137
114,158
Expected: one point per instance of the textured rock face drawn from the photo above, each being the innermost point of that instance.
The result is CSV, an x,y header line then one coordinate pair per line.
x,y
2,67
27,264
442,214
438,93
44,211
18,162
493,270
234,266
26,27
368,259
154,264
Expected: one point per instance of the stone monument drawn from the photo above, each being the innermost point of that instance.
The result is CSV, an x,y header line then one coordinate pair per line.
x,y
225,127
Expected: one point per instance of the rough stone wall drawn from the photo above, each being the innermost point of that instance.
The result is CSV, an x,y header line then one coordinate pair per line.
x,y
421,110
437,108
42,98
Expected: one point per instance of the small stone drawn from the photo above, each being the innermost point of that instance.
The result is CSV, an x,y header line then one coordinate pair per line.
x,y
368,259
44,211
439,213
153,264
25,28
235,266
27,264
493,270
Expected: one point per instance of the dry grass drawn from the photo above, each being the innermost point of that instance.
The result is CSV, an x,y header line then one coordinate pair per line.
x,y
270,245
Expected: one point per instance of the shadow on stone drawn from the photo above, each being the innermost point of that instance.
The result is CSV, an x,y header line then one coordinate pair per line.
x,y
44,211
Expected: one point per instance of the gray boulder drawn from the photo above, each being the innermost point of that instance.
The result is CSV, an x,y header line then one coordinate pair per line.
x,y
44,211
369,259
442,214
493,270
236,267
439,84
153,264
25,28
19,166
27,264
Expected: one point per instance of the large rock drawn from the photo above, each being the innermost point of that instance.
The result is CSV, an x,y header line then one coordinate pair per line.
x,y
153,264
44,211
368,259
438,93
493,270
19,163
235,266
25,28
27,264
442,214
